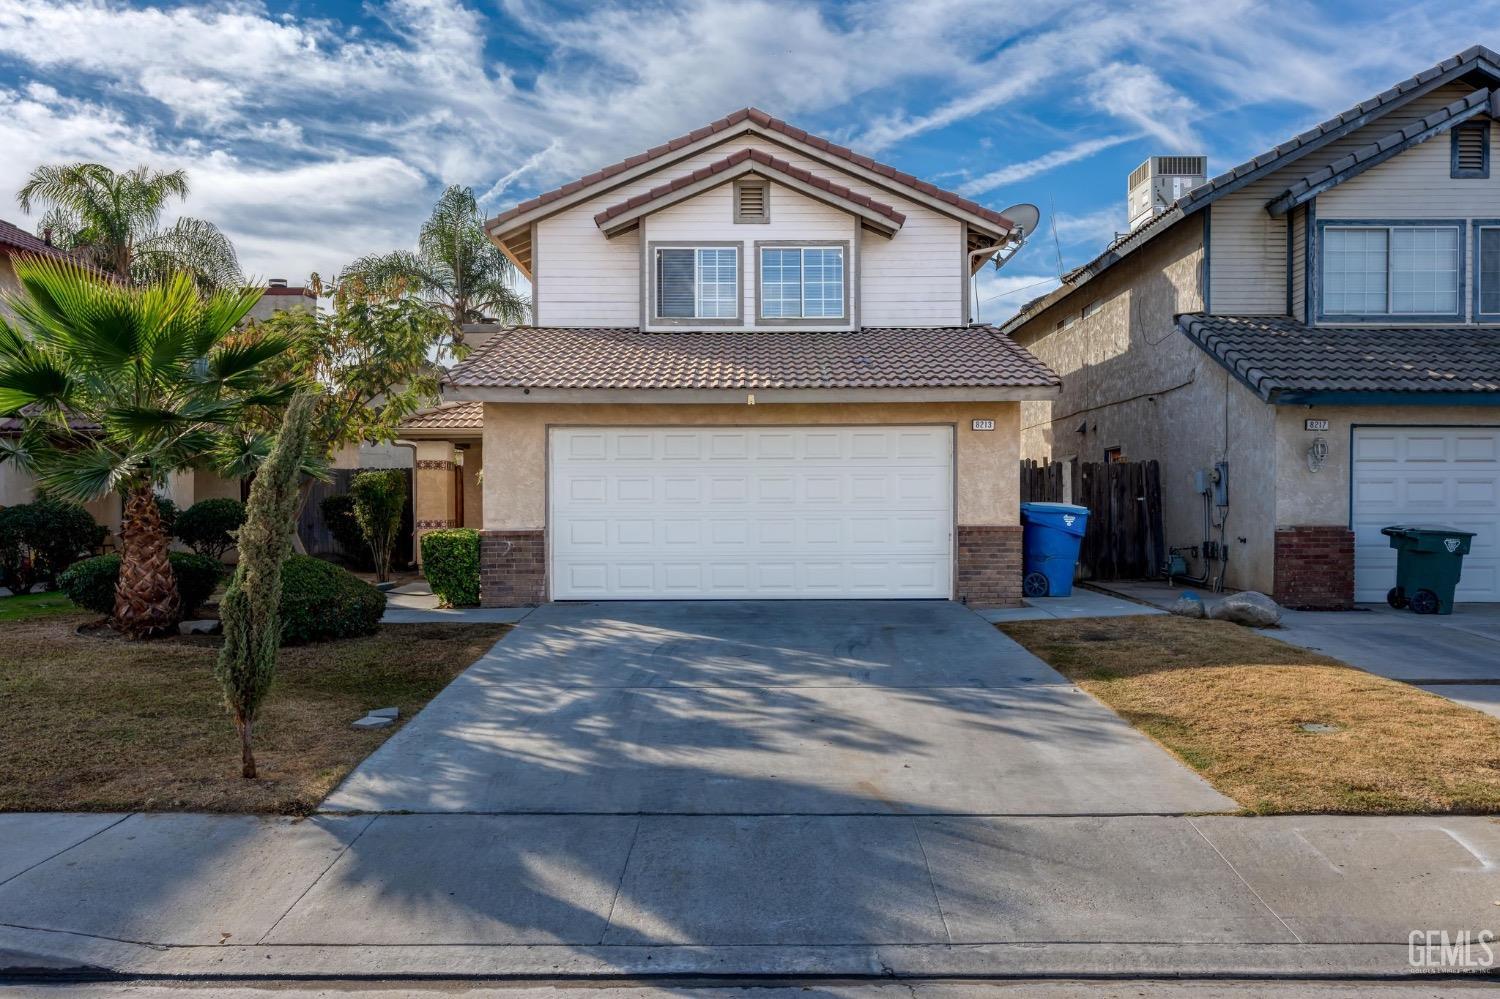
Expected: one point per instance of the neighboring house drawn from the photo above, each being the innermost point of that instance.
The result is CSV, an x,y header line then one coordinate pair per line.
x,y
278,296
752,375
1325,319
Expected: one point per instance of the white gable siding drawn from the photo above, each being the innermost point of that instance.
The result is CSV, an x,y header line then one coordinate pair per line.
x,y
1416,183
1299,256
1247,261
583,279
794,216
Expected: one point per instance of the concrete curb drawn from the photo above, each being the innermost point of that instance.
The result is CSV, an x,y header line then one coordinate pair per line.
x,y
41,954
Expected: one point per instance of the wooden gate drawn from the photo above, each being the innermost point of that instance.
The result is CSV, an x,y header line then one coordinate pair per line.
x,y
1124,538
319,540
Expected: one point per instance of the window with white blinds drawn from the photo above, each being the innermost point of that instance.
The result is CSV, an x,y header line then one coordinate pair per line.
x,y
1396,270
700,282
802,282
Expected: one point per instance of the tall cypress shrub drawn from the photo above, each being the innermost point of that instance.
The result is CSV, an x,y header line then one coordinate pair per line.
x,y
252,623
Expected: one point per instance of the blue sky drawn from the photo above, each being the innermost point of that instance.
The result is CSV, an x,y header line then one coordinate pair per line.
x,y
314,132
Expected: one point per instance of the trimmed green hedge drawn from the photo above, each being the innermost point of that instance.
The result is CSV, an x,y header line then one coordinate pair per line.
x,y
450,561
91,583
208,526
321,601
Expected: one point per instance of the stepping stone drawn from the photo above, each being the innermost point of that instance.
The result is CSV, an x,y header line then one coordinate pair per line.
x,y
206,626
386,713
374,721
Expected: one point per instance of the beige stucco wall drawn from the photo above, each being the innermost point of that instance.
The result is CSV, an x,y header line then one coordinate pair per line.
x,y
1322,497
515,440
473,486
1140,385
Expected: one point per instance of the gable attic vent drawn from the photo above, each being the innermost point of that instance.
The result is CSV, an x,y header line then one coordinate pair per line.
x,y
1161,180
752,201
1471,151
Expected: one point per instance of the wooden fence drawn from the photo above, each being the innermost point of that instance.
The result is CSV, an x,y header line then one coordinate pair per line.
x,y
1124,538
319,540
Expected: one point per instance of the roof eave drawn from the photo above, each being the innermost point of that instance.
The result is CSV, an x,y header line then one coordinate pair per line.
x,y
750,396
500,231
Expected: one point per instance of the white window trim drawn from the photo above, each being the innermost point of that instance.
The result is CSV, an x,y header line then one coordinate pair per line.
x,y
761,246
653,256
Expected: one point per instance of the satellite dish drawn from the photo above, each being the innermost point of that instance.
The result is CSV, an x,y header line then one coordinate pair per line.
x,y
1025,217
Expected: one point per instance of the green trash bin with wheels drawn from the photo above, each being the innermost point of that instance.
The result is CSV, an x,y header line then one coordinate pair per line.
x,y
1429,559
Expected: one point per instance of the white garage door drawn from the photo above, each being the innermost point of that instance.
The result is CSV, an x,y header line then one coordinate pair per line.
x,y
775,512
1426,475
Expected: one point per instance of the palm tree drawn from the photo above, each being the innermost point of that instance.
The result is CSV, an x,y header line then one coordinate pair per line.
x,y
456,270
115,221
161,374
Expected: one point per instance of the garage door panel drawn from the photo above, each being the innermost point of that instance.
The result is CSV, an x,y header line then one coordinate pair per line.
x,y
782,512
1434,475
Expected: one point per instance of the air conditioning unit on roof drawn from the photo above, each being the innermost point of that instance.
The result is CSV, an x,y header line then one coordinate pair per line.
x,y
1157,183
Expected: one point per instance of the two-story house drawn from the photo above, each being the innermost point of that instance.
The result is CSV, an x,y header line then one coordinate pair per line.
x,y
751,374
1318,329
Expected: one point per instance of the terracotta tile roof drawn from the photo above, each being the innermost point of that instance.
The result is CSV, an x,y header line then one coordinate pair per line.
x,y
760,158
448,416
1284,361
18,239
763,120
16,422
627,358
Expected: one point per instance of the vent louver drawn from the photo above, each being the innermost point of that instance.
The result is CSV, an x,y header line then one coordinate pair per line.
x,y
1469,157
750,202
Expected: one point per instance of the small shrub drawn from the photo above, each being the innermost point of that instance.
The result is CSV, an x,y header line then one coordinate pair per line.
x,y
450,560
379,500
338,516
208,526
91,583
39,540
167,511
321,601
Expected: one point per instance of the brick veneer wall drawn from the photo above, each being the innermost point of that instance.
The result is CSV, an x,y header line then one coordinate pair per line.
x,y
1314,568
512,568
989,566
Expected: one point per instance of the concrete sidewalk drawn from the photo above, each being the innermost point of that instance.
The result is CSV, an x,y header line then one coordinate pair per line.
x,y
555,896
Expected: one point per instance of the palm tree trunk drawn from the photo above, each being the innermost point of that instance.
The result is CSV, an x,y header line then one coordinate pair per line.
x,y
146,602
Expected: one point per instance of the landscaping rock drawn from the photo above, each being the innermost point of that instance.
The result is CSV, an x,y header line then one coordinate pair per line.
x,y
1188,605
1255,610
374,721
206,626
386,713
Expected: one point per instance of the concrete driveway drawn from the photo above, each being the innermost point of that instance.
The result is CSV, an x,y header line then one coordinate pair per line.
x,y
767,708
1455,655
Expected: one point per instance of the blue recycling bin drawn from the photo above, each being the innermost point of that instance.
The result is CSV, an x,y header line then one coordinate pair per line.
x,y
1051,534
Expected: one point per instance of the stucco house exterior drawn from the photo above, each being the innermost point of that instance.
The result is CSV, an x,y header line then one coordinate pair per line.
x,y
1323,320
751,374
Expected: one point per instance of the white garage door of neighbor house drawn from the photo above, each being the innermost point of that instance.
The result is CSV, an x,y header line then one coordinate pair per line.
x,y
1426,475
772,512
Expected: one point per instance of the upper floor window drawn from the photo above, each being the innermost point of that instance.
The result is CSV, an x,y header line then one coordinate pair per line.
x,y
698,282
1487,272
1390,270
1471,151
802,282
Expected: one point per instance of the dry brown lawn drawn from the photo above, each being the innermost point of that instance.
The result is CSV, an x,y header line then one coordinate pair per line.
x,y
98,723
1231,704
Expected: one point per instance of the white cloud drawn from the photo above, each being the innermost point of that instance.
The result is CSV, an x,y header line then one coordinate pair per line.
x,y
1138,95
1014,172
313,140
